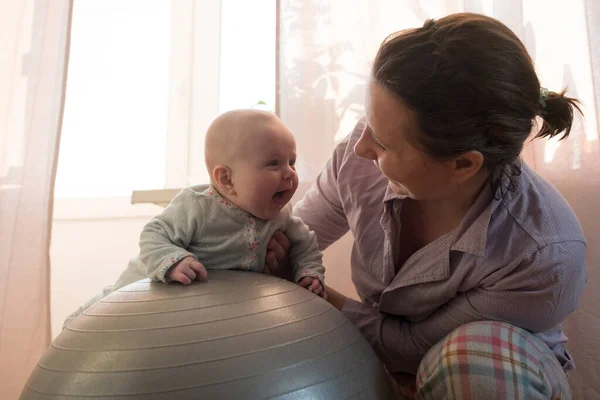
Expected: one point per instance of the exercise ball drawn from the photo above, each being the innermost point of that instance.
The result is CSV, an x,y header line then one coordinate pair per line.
x,y
239,335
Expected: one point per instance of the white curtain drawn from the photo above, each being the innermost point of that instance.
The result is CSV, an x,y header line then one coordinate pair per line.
x,y
33,59
325,51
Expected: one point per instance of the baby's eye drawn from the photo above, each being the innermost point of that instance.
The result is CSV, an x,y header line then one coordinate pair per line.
x,y
273,163
292,163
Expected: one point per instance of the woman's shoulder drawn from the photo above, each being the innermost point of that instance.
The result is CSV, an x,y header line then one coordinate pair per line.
x,y
540,210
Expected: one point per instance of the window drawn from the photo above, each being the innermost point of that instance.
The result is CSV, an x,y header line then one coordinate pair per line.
x,y
146,77
115,122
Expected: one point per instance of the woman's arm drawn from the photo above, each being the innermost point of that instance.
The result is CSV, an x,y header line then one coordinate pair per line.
x,y
321,207
335,298
537,296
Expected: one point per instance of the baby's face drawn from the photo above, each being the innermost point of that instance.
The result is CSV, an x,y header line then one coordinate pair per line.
x,y
264,175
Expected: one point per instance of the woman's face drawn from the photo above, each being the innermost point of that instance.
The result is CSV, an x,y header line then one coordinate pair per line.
x,y
391,128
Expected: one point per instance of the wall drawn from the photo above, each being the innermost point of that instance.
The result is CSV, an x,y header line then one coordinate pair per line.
x,y
92,241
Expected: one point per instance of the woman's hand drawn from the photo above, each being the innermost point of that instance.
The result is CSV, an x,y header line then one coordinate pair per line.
x,y
277,264
335,298
276,260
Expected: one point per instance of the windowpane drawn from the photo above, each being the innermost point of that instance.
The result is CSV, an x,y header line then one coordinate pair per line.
x,y
247,73
115,122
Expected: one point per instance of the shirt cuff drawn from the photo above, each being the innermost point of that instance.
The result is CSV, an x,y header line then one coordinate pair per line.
x,y
382,332
367,319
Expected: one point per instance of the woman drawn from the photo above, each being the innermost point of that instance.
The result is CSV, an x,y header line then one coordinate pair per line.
x,y
465,260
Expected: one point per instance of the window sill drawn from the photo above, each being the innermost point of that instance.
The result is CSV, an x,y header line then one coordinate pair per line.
x,y
141,204
159,197
102,208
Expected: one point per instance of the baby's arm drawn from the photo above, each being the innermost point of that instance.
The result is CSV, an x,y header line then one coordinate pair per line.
x,y
166,237
305,257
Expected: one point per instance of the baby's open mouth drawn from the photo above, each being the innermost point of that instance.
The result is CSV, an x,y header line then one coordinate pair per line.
x,y
278,196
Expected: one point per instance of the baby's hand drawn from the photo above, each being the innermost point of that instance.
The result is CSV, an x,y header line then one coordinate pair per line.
x,y
186,270
314,285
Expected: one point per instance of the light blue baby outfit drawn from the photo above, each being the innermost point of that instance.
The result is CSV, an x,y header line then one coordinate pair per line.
x,y
220,235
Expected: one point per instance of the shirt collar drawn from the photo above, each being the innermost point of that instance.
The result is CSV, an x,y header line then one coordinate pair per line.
x,y
228,205
214,193
233,208
471,235
391,195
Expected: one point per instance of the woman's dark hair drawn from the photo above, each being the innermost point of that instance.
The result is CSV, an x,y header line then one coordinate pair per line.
x,y
473,86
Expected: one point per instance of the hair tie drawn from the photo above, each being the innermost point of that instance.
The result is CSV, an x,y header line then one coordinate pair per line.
x,y
544,93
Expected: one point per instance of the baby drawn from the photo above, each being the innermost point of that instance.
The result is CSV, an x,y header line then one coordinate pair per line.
x,y
250,156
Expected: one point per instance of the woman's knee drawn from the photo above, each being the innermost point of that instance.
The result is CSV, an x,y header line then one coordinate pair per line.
x,y
491,360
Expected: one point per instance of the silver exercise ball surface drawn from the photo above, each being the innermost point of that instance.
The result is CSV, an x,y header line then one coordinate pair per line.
x,y
240,335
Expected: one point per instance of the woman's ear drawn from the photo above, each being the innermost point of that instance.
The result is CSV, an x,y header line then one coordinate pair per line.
x,y
467,165
222,177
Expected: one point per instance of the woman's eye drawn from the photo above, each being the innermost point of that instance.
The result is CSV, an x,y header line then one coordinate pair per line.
x,y
376,140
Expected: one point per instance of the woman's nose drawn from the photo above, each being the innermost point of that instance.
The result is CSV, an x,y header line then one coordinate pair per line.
x,y
364,147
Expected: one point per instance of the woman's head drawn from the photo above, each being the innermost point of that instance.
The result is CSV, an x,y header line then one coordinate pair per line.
x,y
471,90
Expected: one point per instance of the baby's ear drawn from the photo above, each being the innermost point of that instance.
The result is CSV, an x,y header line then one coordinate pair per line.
x,y
222,177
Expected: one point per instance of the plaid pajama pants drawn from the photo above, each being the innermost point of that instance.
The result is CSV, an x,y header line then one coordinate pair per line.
x,y
488,360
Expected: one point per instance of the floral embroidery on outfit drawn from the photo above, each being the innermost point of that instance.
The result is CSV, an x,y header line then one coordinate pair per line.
x,y
252,239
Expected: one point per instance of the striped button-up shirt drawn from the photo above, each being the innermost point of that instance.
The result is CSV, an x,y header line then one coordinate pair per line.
x,y
518,259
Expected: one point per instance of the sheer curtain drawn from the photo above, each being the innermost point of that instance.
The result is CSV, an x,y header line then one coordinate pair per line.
x,y
325,51
33,59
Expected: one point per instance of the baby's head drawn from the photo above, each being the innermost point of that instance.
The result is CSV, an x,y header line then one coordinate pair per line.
x,y
250,156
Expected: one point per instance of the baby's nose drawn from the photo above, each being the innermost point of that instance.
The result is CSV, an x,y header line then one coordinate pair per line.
x,y
289,172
